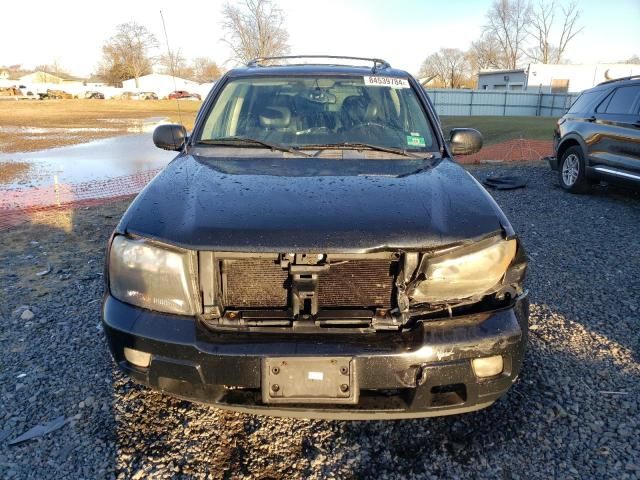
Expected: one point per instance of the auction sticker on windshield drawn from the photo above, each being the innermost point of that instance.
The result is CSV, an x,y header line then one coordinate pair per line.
x,y
392,82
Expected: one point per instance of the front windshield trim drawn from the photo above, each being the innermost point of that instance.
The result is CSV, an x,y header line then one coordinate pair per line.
x,y
434,144
251,143
365,146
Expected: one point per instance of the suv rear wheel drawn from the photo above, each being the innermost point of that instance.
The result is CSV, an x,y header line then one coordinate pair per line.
x,y
573,176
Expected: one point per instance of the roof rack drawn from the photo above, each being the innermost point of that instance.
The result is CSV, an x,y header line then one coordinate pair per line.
x,y
630,77
378,64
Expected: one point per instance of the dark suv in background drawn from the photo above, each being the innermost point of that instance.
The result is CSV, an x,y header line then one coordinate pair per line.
x,y
599,137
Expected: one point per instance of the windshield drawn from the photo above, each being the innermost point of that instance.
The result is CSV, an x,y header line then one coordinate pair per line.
x,y
316,112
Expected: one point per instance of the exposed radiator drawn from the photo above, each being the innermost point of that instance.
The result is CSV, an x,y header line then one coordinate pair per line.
x,y
254,283
357,283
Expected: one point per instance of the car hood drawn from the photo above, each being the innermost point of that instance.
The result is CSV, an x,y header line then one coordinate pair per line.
x,y
312,205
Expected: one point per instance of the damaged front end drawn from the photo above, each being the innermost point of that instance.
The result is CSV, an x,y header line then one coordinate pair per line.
x,y
360,292
340,335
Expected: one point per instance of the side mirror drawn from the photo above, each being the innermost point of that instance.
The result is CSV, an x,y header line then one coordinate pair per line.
x,y
465,141
170,137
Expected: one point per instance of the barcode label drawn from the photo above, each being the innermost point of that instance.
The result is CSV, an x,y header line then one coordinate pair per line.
x,y
393,82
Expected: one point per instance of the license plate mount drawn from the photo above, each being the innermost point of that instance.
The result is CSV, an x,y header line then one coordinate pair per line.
x,y
309,380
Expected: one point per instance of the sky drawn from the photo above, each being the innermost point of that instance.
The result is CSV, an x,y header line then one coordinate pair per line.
x,y
403,32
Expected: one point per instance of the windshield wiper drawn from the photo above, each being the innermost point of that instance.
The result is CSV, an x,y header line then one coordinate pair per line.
x,y
254,142
368,146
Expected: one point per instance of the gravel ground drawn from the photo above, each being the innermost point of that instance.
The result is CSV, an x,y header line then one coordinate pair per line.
x,y
573,414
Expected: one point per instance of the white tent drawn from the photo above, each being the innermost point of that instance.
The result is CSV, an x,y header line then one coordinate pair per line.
x,y
162,85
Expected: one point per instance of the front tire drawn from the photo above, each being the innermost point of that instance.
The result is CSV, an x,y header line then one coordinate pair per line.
x,y
573,174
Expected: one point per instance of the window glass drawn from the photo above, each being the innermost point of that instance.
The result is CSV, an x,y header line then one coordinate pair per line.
x,y
311,110
623,101
583,102
602,106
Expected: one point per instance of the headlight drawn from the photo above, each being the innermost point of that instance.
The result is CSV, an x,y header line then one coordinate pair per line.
x,y
463,273
151,276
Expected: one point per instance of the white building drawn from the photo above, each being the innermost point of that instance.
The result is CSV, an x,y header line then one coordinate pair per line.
x,y
162,85
575,78
502,79
550,78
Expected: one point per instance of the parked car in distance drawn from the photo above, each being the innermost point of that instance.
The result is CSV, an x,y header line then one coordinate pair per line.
x,y
138,96
18,93
12,93
128,96
28,92
314,250
56,94
599,137
94,95
183,95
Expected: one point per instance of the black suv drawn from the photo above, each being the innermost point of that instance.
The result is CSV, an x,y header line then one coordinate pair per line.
x,y
314,250
599,137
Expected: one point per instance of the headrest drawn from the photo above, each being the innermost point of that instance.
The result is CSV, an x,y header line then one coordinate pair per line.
x,y
372,111
359,108
275,117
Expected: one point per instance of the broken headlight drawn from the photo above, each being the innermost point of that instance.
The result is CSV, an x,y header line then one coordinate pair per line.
x,y
157,277
462,273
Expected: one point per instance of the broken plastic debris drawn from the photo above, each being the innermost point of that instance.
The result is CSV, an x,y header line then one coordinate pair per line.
x,y
22,375
40,430
504,182
44,272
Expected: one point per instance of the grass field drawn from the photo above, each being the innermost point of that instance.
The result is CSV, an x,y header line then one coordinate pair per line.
x,y
500,129
30,125
35,125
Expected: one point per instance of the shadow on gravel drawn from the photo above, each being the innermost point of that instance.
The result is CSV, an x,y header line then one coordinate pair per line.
x,y
584,249
564,402
54,361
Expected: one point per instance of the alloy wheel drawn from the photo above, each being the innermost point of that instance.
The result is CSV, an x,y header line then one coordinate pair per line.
x,y
570,169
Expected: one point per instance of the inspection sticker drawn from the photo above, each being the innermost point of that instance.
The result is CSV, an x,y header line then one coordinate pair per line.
x,y
393,82
415,141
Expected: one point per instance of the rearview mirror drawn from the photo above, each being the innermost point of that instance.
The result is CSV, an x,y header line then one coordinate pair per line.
x,y
170,137
465,141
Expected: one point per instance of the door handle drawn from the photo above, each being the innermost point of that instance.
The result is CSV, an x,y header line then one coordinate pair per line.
x,y
592,118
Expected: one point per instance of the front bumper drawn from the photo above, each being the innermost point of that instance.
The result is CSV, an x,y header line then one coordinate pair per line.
x,y
553,159
419,373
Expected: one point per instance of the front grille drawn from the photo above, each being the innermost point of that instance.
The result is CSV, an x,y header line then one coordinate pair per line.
x,y
255,283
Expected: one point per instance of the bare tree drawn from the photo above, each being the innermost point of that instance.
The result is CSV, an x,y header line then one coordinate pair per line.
x,y
449,66
570,28
507,21
486,53
632,59
255,29
175,64
542,17
205,70
127,54
541,29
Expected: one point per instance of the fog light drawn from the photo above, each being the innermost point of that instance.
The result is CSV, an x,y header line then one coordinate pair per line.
x,y
488,366
137,358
